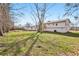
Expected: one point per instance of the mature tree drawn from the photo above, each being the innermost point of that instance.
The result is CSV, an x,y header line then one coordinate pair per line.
x,y
1,31
72,9
5,20
15,13
39,14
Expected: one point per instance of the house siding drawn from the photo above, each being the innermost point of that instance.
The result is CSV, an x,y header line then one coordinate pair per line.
x,y
58,26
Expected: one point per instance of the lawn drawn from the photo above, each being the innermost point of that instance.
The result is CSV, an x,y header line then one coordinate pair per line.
x,y
39,44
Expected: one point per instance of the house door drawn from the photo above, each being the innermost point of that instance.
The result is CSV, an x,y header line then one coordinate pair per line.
x,y
55,31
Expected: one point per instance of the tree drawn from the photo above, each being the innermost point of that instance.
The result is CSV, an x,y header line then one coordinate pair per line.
x,y
3,18
6,18
27,25
16,14
5,21
72,9
39,14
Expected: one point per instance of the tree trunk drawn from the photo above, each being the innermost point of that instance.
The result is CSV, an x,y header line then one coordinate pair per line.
x,y
1,31
41,27
7,29
4,29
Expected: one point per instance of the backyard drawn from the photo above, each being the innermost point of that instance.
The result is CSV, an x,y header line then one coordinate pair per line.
x,y
39,44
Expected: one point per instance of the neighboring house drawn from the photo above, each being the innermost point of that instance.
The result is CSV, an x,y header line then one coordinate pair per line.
x,y
30,28
62,26
75,28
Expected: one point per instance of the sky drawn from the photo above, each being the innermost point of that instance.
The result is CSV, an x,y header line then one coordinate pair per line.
x,y
55,12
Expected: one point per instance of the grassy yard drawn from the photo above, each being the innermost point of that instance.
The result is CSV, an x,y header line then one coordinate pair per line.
x,y
32,43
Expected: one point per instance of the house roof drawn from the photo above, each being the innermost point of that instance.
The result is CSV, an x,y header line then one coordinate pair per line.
x,y
58,21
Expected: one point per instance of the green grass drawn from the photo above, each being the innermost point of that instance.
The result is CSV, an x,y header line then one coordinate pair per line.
x,y
46,43
14,36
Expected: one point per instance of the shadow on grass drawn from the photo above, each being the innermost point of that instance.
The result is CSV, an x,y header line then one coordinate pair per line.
x,y
14,44
70,34
30,48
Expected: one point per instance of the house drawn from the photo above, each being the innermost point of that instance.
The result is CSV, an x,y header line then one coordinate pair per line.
x,y
62,26
31,28
74,28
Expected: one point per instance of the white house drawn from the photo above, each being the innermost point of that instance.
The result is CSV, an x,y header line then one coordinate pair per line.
x,y
62,26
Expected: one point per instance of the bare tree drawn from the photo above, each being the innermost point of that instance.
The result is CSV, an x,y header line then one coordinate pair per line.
x,y
28,25
5,21
3,18
1,30
15,14
72,9
39,14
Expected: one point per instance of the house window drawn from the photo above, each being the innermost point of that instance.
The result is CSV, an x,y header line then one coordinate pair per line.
x,y
56,24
